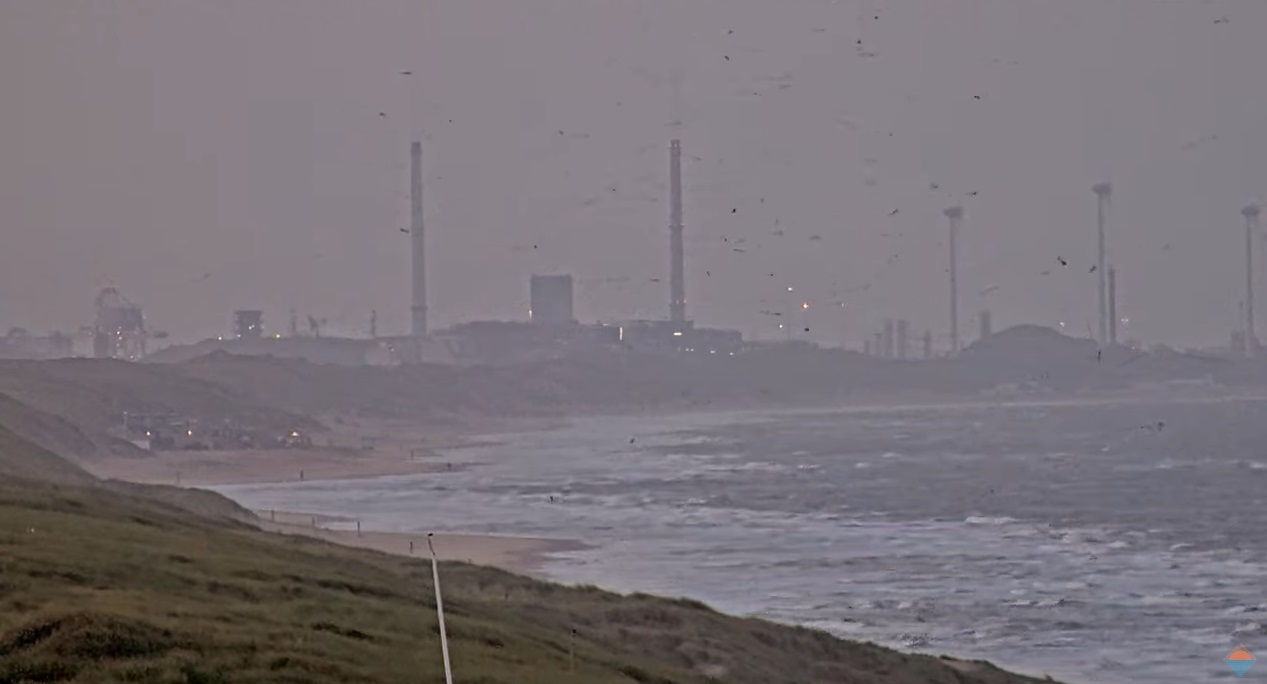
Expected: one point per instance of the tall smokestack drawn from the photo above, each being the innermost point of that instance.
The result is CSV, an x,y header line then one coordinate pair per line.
x,y
1250,213
1112,305
903,331
677,277
419,307
888,339
1103,191
955,214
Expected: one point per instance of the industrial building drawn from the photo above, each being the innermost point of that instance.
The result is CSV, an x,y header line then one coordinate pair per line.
x,y
119,331
248,325
19,344
671,336
551,299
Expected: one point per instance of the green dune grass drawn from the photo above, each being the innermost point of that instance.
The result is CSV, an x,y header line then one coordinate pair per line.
x,y
99,587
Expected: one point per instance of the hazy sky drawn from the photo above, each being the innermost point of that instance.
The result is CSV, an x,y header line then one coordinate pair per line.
x,y
207,156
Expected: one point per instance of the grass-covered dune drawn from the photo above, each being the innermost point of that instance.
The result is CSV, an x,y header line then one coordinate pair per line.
x,y
96,586
104,581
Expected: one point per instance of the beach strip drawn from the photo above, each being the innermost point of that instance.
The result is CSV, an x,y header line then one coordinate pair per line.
x,y
522,555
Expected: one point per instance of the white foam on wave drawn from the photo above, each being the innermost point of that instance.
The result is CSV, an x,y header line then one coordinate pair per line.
x,y
988,520
1237,610
1248,628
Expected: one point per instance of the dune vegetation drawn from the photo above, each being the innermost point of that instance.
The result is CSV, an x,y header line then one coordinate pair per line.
x,y
105,581
100,586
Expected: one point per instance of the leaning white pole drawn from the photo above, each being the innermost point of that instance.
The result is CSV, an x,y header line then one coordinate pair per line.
x,y
444,638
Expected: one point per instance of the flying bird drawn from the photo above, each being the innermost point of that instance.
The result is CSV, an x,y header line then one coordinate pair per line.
x,y
1062,261
406,73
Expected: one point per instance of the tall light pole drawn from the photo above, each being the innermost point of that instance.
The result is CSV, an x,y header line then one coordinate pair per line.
x,y
955,214
418,245
677,269
444,637
1103,191
1250,212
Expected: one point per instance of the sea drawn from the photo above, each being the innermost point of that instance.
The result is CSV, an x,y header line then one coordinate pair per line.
x,y
1097,542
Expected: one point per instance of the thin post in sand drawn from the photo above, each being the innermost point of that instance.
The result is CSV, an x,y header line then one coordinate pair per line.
x,y
444,638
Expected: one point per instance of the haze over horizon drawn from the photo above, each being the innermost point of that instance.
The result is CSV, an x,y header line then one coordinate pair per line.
x,y
205,157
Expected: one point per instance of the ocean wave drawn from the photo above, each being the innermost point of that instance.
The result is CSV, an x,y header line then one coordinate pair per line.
x,y
988,520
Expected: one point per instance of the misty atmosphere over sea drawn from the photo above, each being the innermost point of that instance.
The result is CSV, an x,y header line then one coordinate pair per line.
x,y
1097,542
689,341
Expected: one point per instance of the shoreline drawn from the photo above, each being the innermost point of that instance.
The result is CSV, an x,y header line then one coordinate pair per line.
x,y
520,555
396,448
382,448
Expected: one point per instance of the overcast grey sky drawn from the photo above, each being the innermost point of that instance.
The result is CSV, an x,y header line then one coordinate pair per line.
x,y
206,156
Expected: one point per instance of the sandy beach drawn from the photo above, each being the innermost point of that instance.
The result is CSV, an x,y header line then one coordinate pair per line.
x,y
521,555
353,450
211,468
405,452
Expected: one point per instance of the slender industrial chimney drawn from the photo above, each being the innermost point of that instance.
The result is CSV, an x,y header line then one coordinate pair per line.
x,y
1112,305
1250,212
955,214
903,332
419,307
888,338
1103,192
677,284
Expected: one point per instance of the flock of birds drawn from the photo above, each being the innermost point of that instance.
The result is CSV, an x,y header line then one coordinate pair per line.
x,y
838,294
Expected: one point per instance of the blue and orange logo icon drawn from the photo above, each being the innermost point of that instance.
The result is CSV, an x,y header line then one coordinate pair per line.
x,y
1240,661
